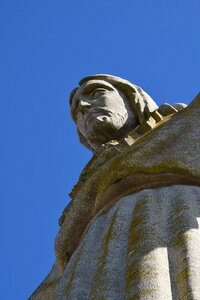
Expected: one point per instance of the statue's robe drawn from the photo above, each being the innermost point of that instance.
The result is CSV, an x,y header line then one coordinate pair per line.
x,y
132,228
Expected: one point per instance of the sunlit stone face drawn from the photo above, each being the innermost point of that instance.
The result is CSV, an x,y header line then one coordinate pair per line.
x,y
101,112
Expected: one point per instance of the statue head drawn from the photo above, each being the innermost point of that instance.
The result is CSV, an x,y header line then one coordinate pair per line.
x,y
106,107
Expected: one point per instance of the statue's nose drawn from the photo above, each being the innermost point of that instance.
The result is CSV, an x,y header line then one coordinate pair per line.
x,y
84,104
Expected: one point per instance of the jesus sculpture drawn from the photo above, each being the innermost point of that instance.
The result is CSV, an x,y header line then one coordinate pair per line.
x,y
131,230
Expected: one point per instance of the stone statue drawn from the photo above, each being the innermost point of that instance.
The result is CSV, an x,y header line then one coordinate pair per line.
x,y
131,230
106,108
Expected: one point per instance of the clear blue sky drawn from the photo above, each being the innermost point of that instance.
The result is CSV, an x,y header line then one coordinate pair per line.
x,y
46,47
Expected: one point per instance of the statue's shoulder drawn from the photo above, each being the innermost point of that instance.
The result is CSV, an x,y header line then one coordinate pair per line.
x,y
178,122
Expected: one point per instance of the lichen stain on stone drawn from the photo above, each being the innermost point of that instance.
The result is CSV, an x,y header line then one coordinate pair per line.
x,y
184,274
107,238
139,233
72,274
118,169
183,280
46,288
99,279
181,221
136,273
142,294
140,216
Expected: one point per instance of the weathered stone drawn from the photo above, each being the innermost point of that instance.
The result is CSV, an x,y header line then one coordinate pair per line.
x,y
131,230
107,107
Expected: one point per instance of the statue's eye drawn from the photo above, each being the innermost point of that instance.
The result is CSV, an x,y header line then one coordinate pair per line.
x,y
98,92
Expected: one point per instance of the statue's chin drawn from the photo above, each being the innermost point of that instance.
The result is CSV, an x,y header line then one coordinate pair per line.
x,y
103,129
97,138
101,135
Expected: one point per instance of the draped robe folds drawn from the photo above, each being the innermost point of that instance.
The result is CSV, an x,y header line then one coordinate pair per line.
x,y
131,230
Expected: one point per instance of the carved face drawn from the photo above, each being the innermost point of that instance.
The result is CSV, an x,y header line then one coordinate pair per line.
x,y
101,112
